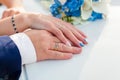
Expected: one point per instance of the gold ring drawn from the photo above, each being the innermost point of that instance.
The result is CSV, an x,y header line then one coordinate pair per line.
x,y
56,46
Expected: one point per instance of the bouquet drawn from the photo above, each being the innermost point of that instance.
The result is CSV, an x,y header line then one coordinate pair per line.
x,y
77,11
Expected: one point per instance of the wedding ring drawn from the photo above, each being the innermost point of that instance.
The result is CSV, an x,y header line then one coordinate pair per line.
x,y
56,46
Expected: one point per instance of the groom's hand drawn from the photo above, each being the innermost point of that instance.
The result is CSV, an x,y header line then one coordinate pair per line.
x,y
48,46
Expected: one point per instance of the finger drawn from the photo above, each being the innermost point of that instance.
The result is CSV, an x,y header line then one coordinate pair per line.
x,y
79,37
57,32
5,14
56,40
82,33
63,48
79,34
59,55
71,36
68,25
74,28
11,13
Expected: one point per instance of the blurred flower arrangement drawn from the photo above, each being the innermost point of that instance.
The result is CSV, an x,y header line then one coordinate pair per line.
x,y
77,11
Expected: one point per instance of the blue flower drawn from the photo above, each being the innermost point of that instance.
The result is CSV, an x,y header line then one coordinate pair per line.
x,y
84,10
70,8
73,7
95,0
95,16
54,9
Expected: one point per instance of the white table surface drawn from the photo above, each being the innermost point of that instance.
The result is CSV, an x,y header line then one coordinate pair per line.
x,y
99,60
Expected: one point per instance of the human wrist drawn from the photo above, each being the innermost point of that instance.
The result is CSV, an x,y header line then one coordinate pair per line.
x,y
34,20
30,19
22,22
35,41
25,21
28,54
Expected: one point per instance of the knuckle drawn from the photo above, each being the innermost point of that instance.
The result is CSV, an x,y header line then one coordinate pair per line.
x,y
68,32
51,46
62,47
58,32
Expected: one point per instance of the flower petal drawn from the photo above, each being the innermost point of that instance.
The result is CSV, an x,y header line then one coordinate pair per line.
x,y
100,7
86,9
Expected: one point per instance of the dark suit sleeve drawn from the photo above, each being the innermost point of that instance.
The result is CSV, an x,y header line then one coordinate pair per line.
x,y
10,59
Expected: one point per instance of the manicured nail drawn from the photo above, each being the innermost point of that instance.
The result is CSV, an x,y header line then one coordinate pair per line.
x,y
86,41
68,43
81,44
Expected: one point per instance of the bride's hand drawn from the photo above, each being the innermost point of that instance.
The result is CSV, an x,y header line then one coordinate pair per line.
x,y
48,46
63,30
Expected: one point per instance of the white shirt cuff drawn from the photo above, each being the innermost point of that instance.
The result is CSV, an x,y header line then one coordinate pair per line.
x,y
26,48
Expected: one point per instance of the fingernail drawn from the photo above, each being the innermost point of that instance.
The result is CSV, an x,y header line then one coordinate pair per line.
x,y
81,44
85,40
68,43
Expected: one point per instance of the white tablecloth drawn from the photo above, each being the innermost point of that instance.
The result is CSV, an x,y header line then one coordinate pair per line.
x,y
99,60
